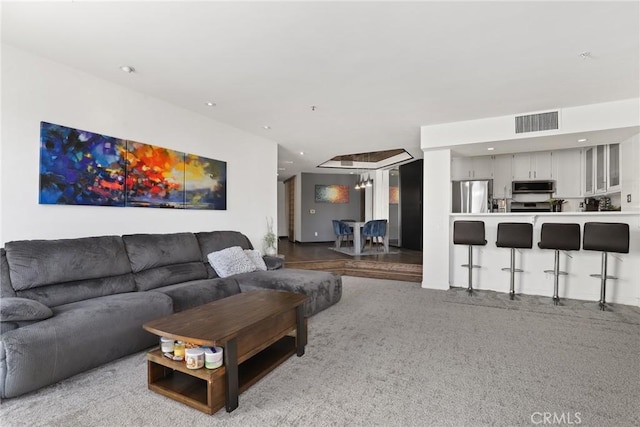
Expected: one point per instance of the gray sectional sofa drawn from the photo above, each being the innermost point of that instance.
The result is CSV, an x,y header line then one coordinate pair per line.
x,y
73,304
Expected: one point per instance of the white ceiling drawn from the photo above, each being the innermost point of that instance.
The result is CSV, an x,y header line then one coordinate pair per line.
x,y
376,71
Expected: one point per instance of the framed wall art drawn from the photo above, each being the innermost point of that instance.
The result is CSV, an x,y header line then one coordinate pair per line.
x,y
332,193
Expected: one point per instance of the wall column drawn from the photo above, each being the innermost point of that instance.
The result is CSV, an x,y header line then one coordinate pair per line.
x,y
435,227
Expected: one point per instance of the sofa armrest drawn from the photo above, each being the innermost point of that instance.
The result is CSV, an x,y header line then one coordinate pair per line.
x,y
273,262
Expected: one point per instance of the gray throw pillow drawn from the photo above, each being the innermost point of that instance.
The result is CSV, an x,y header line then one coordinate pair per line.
x,y
230,261
14,309
256,258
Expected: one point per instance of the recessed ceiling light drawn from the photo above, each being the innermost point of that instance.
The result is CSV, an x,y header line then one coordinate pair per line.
x,y
210,104
267,127
127,69
584,55
582,140
289,162
490,149
302,153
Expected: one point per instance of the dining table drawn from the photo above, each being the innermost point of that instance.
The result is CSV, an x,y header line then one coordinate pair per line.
x,y
357,237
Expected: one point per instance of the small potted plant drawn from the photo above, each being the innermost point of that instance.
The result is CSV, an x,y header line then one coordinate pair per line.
x,y
270,239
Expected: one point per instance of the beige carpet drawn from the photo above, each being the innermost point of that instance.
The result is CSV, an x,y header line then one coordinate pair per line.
x,y
393,354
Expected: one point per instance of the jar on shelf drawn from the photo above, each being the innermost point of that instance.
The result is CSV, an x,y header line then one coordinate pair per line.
x,y
194,358
178,349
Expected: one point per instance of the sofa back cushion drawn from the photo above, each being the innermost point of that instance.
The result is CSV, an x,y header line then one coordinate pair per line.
x,y
213,241
6,290
164,259
56,272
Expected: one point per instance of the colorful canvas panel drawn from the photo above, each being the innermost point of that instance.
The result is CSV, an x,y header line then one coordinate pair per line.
x,y
155,176
394,195
205,183
78,167
332,193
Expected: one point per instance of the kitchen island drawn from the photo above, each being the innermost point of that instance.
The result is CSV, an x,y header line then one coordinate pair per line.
x,y
534,281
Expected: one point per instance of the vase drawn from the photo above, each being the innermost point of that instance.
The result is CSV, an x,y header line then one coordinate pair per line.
x,y
271,251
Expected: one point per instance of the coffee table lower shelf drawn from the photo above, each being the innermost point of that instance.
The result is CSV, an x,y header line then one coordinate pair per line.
x,y
204,389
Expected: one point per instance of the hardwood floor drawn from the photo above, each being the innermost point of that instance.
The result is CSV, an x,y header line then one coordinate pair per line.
x,y
403,264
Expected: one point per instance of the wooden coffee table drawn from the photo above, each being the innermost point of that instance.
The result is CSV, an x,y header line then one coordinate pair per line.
x,y
256,330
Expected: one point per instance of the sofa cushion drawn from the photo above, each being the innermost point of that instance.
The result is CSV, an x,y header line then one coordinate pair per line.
x,y
256,258
65,293
6,290
323,288
159,260
22,309
230,261
211,241
80,336
192,294
56,272
35,263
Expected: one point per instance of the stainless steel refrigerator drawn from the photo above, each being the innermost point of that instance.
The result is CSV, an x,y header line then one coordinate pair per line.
x,y
471,196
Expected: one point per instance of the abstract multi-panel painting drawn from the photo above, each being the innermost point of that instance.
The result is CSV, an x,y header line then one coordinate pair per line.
x,y
84,168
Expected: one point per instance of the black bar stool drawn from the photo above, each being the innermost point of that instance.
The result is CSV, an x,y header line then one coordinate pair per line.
x,y
560,237
514,235
605,237
469,233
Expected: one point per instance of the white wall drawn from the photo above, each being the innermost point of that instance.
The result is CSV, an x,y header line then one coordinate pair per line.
x,y
630,183
35,89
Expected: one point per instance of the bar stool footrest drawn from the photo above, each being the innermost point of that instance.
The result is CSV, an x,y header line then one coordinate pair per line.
x,y
517,270
599,276
473,266
562,273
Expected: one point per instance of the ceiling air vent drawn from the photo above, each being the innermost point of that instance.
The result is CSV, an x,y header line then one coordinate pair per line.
x,y
346,162
537,122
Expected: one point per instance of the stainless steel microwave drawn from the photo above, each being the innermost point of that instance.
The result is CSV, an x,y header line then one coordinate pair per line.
x,y
522,187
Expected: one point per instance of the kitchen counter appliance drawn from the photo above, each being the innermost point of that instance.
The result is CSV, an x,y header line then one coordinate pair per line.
x,y
536,187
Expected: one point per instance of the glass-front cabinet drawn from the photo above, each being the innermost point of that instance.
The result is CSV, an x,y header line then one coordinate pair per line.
x,y
588,171
602,169
601,175
613,168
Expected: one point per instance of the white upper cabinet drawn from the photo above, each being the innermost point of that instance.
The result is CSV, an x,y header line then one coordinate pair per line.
x,y
567,172
502,176
482,167
542,165
471,167
536,165
460,168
